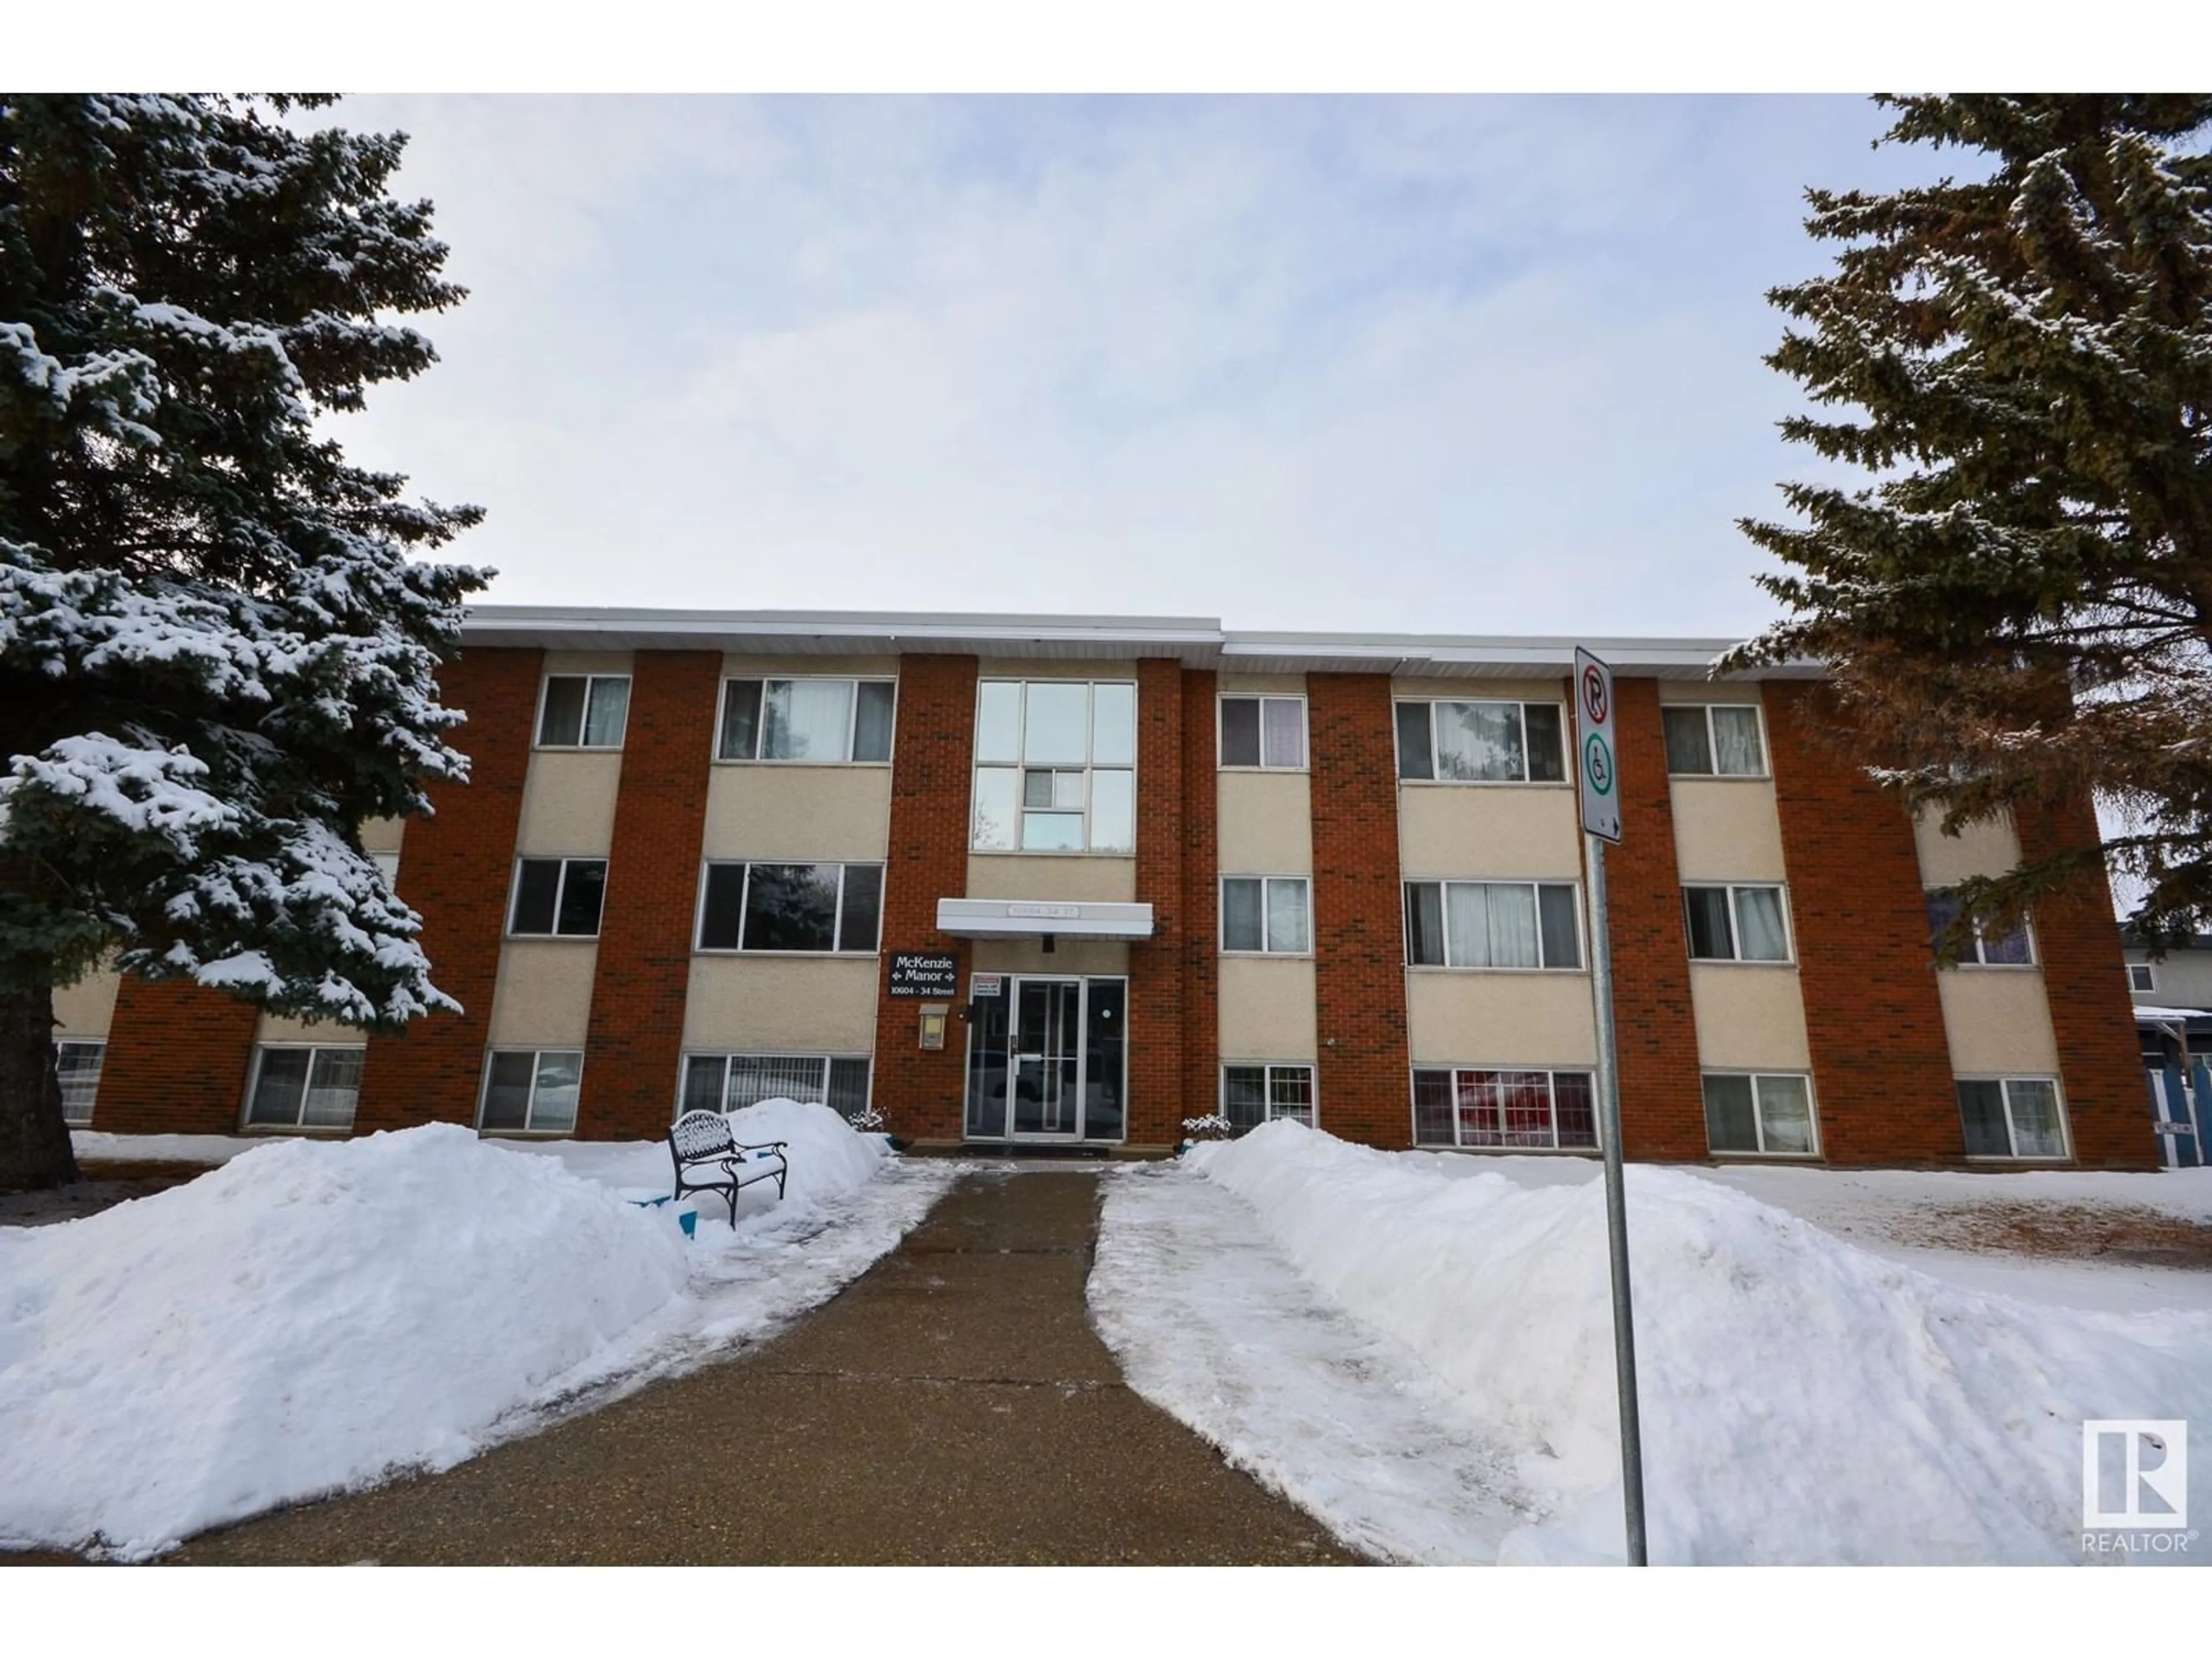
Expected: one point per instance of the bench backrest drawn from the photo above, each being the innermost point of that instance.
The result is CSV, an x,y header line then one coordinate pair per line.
x,y
701,1134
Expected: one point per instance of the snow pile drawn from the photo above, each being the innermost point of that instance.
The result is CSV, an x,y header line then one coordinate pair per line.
x,y
306,1317
1804,1400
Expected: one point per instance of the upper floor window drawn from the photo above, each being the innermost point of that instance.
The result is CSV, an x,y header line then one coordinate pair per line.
x,y
1267,913
1736,924
1492,924
305,1088
558,897
1714,740
2141,978
817,910
2011,948
583,711
1055,767
1267,732
1481,742
78,1065
824,720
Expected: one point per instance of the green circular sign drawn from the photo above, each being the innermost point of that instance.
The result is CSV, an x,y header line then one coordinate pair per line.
x,y
1597,764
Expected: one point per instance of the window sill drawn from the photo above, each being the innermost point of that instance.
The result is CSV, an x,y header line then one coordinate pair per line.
x,y
1720,777
525,1134
1267,956
1510,1151
1546,972
1990,968
577,748
1718,1156
1268,771
1738,962
551,938
815,765
2011,1160
1486,783
787,955
307,1131
1042,853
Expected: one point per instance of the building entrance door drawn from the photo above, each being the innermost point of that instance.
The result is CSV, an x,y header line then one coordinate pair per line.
x,y
1046,1060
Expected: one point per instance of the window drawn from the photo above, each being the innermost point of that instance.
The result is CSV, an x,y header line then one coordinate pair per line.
x,y
1055,767
1736,924
1269,913
531,1091
723,1083
1267,732
583,711
558,897
2140,977
1253,1094
1714,740
2011,948
305,1088
2012,1117
1523,1110
1764,1113
1481,742
818,908
824,720
1492,924
78,1065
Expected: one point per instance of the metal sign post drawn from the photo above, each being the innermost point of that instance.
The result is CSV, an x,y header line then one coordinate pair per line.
x,y
1599,775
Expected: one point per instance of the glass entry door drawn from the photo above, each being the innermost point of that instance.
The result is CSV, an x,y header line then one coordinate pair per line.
x,y
1047,1060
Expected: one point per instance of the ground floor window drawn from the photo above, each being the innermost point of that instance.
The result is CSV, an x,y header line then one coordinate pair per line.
x,y
1454,1107
1252,1095
78,1064
723,1083
2012,1117
1760,1112
305,1088
532,1091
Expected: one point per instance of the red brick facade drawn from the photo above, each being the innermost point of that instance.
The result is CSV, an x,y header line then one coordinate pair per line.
x,y
454,868
1157,983
1881,1061
644,966
1663,1104
1365,1086
179,1059
919,1091
1200,918
2099,1063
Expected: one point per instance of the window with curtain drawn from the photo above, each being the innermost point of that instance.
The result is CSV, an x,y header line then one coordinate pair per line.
x,y
1486,1107
1270,914
1714,740
1264,731
77,1065
2010,947
2012,1117
305,1088
1766,1112
1055,767
1736,924
821,721
583,711
1466,742
1492,924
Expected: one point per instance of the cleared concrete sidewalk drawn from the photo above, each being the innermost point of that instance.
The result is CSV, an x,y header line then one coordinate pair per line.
x,y
952,1407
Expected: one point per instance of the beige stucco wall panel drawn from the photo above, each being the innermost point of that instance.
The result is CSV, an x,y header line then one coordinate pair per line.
x,y
797,1004
1998,1021
1727,829
736,664
1266,1009
1019,668
826,813
543,997
1500,831
86,1008
1481,690
1045,877
382,835
569,803
1734,691
1749,1017
1989,846
1265,823
1499,1019
279,1027
1261,685
1069,955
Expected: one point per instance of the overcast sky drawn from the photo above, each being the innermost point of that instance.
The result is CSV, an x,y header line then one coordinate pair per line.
x,y
1477,365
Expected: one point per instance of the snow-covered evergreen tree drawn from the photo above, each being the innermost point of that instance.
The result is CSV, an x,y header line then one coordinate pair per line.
x,y
216,657
2019,606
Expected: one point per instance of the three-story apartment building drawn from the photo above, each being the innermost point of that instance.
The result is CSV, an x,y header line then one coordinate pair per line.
x,y
1026,880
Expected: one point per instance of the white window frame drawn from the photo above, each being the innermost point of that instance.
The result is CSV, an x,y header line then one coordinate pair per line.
x,y
1780,889
825,1061
560,892
545,691
70,1115
852,719
530,1130
1551,1075
1759,1113
2150,979
1446,884
1977,962
1267,1068
1021,768
1566,781
261,1053
2005,1080
1766,755
1263,698
744,905
1267,913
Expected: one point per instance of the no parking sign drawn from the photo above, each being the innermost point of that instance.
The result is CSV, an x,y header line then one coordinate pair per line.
x,y
1596,765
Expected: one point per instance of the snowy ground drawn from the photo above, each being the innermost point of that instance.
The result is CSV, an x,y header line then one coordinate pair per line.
x,y
318,1315
1417,1347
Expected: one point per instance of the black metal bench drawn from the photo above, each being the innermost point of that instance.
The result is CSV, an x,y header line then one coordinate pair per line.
x,y
709,1159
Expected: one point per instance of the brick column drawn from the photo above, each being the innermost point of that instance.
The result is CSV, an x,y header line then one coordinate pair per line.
x,y
1881,1061
179,1056
1663,1102
1364,1084
2078,942
918,1092
1201,897
1156,967
643,969
454,869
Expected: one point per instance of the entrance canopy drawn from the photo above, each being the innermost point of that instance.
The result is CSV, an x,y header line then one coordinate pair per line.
x,y
1035,919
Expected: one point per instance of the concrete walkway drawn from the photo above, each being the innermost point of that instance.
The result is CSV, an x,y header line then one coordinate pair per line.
x,y
952,1406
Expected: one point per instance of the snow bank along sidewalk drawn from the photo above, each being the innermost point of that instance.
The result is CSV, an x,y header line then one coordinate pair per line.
x,y
315,1316
1803,1400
